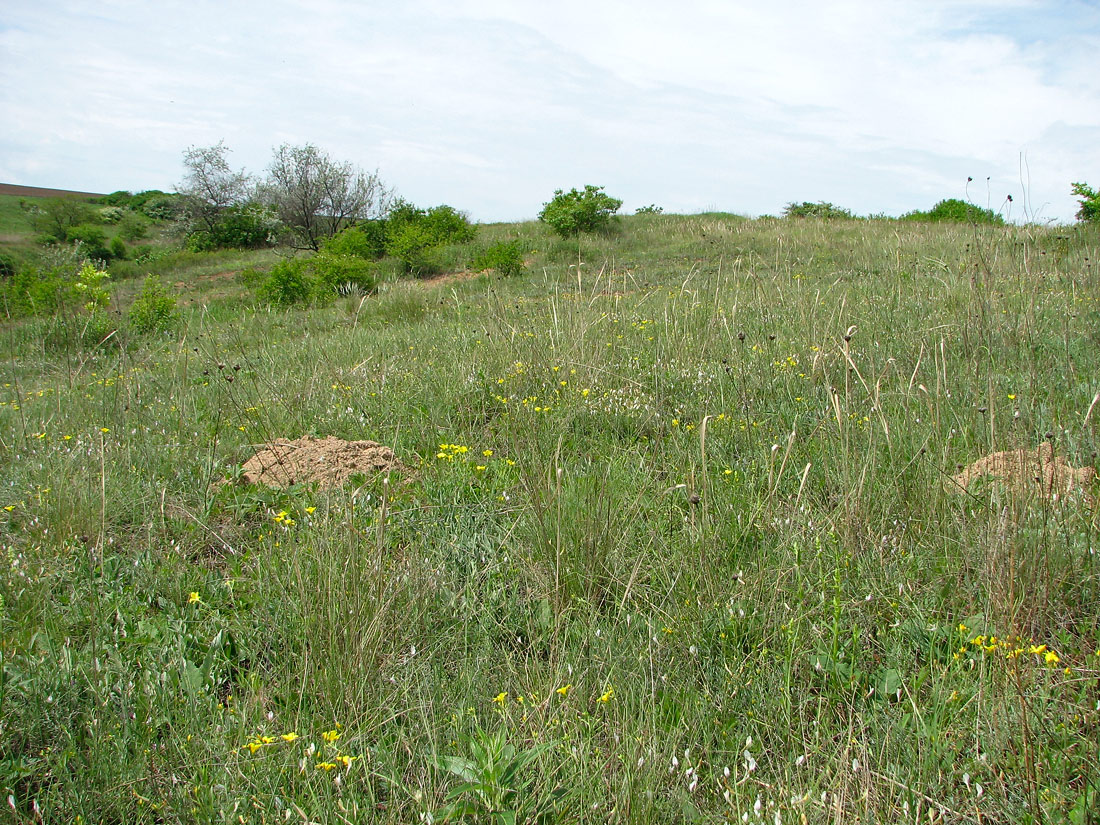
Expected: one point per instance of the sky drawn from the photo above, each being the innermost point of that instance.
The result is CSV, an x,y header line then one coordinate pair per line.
x,y
878,106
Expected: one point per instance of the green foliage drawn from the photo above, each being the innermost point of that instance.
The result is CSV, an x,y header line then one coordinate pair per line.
x,y
821,209
92,240
337,274
56,217
91,287
133,227
570,213
286,284
366,240
651,209
505,258
7,265
416,236
496,789
110,214
316,280
1089,200
158,206
623,478
120,198
153,310
117,248
954,210
241,226
413,244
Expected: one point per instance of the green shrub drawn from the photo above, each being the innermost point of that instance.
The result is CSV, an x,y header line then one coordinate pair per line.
x,y
7,265
367,240
133,227
338,274
313,280
117,248
92,240
448,226
120,198
954,210
287,283
570,213
652,209
417,236
153,310
158,205
413,244
821,209
1089,199
110,214
503,258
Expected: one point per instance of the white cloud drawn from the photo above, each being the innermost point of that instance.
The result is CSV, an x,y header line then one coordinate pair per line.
x,y
491,104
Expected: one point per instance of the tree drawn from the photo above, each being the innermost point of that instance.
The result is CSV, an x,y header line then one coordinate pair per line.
x,y
210,186
1089,199
55,217
316,196
570,213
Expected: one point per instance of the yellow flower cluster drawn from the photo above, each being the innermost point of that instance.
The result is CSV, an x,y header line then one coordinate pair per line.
x,y
447,452
1012,648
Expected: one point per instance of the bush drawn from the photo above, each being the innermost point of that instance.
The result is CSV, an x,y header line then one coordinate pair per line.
x,y
120,198
821,209
7,265
287,283
570,213
447,225
338,274
314,280
416,236
117,248
248,226
503,258
153,310
92,240
413,245
157,205
954,210
367,241
652,209
133,227
1089,199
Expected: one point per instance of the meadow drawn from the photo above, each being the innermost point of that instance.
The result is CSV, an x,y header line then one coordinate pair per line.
x,y
677,540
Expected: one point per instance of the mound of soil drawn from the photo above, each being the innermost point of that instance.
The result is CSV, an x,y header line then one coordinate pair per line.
x,y
330,462
1037,472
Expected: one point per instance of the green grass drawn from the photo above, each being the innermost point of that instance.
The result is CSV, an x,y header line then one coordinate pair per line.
x,y
697,559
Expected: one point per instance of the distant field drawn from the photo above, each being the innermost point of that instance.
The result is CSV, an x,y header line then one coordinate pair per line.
x,y
40,192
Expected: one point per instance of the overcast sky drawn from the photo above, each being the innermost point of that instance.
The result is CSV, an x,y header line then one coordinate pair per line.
x,y
490,105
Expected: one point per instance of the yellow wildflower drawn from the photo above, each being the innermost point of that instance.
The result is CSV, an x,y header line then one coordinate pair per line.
x,y
564,690
607,695
330,735
325,766
289,737
193,598
500,697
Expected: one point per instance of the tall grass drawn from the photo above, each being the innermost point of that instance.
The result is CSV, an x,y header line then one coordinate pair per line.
x,y
698,559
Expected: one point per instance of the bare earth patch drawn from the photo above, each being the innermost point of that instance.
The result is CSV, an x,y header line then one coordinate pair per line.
x,y
329,461
1024,472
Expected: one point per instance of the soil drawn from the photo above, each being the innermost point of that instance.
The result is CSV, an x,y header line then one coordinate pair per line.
x,y
41,192
330,462
1025,472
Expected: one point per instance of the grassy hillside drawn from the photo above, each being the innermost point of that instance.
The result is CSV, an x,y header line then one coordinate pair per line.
x,y
677,540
